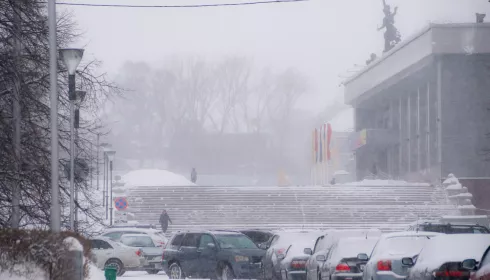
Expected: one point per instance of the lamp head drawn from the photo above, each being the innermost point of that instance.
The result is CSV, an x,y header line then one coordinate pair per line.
x,y
71,58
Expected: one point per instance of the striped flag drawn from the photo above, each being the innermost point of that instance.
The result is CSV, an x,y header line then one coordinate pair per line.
x,y
322,142
329,138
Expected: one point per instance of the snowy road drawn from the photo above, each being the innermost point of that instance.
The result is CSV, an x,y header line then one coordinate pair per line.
x,y
137,275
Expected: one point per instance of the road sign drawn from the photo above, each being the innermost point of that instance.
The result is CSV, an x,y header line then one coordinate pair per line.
x,y
121,203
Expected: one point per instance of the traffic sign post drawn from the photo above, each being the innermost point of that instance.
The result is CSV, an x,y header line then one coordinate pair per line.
x,y
121,203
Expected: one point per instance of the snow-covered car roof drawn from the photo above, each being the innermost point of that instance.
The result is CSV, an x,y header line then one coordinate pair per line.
x,y
135,234
148,230
409,233
452,248
402,244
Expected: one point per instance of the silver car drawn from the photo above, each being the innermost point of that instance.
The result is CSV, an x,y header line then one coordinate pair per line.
x,y
347,258
110,253
325,242
385,262
150,251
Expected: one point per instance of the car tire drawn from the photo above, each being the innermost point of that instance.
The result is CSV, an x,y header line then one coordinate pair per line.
x,y
118,265
153,271
175,271
227,273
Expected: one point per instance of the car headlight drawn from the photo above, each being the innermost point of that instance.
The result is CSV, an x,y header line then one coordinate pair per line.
x,y
241,259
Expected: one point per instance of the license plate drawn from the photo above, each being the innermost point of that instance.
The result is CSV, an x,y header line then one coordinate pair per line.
x,y
362,267
158,266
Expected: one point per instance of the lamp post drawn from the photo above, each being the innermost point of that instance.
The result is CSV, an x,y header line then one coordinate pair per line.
x,y
71,59
105,193
55,214
110,157
79,98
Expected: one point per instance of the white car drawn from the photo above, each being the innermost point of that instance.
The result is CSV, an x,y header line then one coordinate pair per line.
x,y
157,236
385,262
152,253
442,256
110,253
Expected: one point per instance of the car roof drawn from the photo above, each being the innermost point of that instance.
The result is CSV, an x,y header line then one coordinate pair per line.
x,y
210,232
410,233
152,230
135,234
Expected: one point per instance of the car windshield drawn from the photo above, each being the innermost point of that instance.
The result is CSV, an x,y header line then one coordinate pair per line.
x,y
137,241
229,241
455,229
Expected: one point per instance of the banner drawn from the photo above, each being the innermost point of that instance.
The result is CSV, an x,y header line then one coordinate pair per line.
x,y
329,139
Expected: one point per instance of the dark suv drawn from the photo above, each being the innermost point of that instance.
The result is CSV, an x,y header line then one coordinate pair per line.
x,y
212,254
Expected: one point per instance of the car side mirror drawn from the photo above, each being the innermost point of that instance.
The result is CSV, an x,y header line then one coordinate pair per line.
x,y
263,246
363,257
321,258
308,251
211,246
469,264
408,262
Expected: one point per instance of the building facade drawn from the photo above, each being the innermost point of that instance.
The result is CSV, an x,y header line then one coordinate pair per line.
x,y
422,111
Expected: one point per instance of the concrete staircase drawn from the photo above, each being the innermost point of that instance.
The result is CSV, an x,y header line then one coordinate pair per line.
x,y
388,208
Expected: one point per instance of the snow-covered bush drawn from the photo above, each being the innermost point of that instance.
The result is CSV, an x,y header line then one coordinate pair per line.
x,y
33,251
459,195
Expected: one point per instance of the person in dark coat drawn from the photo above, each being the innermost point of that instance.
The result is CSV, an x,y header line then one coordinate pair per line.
x,y
194,175
164,219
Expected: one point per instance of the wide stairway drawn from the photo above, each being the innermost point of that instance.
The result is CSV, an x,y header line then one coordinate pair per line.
x,y
388,208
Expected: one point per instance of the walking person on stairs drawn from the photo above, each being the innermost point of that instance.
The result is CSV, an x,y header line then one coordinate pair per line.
x,y
164,219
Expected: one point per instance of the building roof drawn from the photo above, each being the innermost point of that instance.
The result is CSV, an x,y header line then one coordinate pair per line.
x,y
435,39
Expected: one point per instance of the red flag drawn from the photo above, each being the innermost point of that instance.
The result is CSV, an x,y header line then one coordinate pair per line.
x,y
329,138
316,145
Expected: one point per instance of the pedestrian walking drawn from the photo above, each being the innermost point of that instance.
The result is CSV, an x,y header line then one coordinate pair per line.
x,y
194,175
164,219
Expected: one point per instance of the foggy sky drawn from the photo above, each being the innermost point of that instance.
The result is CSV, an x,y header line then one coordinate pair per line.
x,y
322,38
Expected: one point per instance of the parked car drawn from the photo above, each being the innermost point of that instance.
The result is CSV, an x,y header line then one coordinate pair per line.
x,y
259,237
325,242
110,253
482,268
283,260
448,228
385,262
115,233
212,254
443,256
148,248
347,259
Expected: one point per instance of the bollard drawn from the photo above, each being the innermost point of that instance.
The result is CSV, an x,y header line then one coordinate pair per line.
x,y
110,273
73,260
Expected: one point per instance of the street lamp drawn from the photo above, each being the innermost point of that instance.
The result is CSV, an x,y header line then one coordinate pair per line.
x,y
79,98
71,58
110,157
105,193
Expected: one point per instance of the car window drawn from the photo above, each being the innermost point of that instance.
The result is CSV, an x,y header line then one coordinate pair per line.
x,y
177,240
105,245
232,241
100,244
316,249
486,258
191,240
205,240
375,249
113,235
137,241
274,240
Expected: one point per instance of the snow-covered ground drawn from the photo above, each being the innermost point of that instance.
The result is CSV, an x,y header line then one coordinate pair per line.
x,y
137,275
